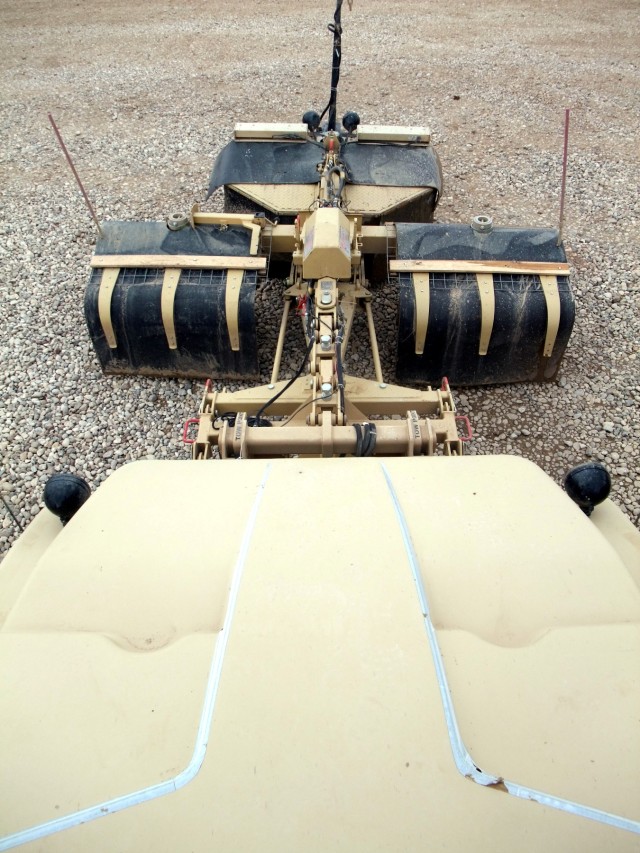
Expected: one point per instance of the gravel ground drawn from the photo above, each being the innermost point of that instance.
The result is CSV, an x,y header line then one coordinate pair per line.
x,y
146,95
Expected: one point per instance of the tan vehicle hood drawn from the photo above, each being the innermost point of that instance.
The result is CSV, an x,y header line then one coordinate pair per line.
x,y
349,654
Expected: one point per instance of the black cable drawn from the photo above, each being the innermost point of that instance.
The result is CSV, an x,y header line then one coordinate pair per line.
x,y
313,142
366,439
255,421
325,324
230,417
252,420
336,29
371,440
301,409
358,429
310,316
339,367
289,383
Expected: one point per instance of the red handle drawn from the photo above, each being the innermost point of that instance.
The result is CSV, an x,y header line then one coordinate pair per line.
x,y
467,423
185,430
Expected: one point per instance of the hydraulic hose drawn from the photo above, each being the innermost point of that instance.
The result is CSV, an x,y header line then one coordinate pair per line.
x,y
336,29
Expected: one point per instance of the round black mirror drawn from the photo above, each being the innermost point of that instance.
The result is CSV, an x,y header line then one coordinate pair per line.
x,y
311,119
588,485
64,494
350,121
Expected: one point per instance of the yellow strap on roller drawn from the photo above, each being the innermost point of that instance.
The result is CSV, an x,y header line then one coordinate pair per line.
x,y
105,292
231,304
421,291
552,298
167,298
487,309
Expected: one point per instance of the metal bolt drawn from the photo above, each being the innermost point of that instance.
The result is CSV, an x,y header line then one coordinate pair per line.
x,y
271,386
327,390
325,299
483,224
325,342
383,385
176,221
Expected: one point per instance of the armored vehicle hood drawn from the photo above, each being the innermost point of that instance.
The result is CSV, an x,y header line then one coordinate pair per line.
x,y
444,655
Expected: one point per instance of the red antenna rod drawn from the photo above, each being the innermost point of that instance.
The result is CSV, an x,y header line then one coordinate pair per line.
x,y
564,174
75,174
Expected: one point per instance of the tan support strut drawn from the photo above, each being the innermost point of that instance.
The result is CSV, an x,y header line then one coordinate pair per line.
x,y
105,292
167,298
487,309
231,303
552,298
421,291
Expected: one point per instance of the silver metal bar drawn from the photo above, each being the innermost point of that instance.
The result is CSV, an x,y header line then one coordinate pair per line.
x,y
375,352
463,760
281,335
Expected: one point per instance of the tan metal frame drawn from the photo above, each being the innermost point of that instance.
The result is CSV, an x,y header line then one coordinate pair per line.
x,y
316,421
316,424
321,410
515,267
207,262
428,422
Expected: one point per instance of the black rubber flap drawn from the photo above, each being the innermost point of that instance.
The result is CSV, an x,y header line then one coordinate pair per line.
x,y
461,243
392,165
389,165
266,163
154,238
200,322
451,347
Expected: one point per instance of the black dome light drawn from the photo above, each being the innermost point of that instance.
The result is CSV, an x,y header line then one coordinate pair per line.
x,y
350,121
311,119
64,494
588,485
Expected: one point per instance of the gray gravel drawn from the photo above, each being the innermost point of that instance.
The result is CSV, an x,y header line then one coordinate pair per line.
x,y
146,95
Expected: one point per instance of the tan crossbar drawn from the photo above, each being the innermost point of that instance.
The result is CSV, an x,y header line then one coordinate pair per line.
x,y
515,267
207,262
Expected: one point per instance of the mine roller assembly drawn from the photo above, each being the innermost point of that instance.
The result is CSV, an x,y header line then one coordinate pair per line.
x,y
367,648
478,303
337,215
